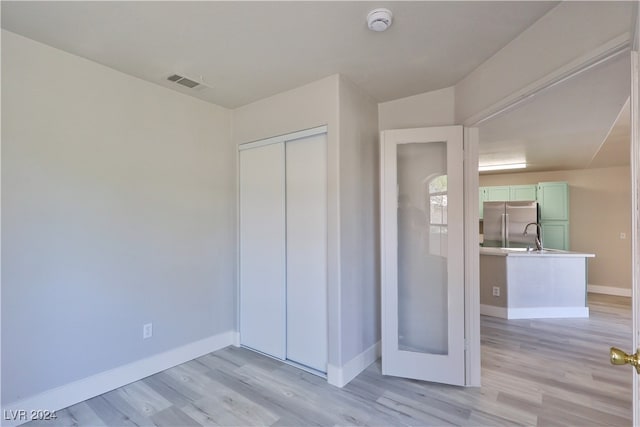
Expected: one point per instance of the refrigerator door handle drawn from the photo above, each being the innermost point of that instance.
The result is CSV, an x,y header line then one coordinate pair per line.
x,y
503,228
506,230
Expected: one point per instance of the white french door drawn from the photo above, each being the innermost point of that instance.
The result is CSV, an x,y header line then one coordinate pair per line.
x,y
423,254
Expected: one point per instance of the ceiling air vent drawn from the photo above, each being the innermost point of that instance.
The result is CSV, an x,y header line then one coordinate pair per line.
x,y
181,80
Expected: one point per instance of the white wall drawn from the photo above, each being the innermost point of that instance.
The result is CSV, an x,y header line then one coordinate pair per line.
x,y
359,220
434,108
118,209
564,34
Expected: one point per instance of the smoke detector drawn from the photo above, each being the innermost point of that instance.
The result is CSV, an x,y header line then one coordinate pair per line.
x,y
379,19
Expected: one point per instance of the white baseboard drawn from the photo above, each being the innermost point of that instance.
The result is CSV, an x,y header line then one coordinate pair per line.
x,y
534,312
340,377
493,311
236,339
86,388
547,312
609,290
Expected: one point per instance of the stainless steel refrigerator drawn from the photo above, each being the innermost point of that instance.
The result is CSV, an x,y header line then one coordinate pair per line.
x,y
504,222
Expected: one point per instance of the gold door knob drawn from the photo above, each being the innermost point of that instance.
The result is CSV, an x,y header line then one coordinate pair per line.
x,y
619,357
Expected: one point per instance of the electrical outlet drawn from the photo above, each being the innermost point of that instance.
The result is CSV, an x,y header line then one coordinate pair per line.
x,y
147,331
496,291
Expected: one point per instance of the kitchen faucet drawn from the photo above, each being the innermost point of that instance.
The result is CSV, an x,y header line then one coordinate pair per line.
x,y
538,242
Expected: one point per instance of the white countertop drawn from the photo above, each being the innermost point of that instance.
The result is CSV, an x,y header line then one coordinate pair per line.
x,y
522,252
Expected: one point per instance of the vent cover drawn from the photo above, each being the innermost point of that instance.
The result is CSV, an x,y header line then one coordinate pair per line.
x,y
181,80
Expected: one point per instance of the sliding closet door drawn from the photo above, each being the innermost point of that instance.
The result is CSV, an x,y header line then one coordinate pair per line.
x,y
262,249
306,178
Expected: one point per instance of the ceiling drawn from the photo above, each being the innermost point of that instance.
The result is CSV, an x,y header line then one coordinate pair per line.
x,y
569,126
245,51
616,148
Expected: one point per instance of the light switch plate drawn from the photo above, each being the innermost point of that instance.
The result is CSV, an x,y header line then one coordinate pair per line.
x,y
147,331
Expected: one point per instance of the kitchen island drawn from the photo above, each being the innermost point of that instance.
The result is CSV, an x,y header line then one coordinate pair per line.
x,y
520,284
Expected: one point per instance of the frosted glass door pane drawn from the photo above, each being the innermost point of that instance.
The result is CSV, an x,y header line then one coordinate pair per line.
x,y
422,247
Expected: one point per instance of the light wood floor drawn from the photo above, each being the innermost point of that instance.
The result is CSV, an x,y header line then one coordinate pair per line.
x,y
534,372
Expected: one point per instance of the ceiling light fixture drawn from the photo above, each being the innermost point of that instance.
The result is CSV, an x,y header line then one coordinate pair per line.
x,y
502,167
379,19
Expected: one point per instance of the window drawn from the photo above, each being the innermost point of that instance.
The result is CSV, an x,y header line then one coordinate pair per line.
x,y
437,197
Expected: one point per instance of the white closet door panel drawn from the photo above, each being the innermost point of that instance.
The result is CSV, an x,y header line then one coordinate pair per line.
x,y
262,249
306,180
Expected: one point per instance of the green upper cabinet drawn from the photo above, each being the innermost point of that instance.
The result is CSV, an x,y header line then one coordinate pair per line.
x,y
553,199
522,192
497,193
492,194
506,193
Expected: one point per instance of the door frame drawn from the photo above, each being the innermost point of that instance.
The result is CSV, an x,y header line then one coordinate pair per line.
x,y
635,203
471,140
618,46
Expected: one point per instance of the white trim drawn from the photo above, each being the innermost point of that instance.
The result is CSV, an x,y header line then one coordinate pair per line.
x,y
635,39
609,290
334,376
284,138
471,259
493,311
533,312
635,210
383,241
238,248
603,53
236,338
86,388
340,377
547,312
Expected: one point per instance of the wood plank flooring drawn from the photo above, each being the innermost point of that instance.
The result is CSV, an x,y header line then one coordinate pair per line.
x,y
547,372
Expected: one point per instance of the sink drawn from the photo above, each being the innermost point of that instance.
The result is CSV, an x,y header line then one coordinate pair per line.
x,y
533,251
542,251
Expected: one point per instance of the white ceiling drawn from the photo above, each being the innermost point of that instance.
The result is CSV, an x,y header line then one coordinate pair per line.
x,y
616,148
566,126
246,51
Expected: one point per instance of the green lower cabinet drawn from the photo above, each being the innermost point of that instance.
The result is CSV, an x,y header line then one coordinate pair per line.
x,y
555,235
